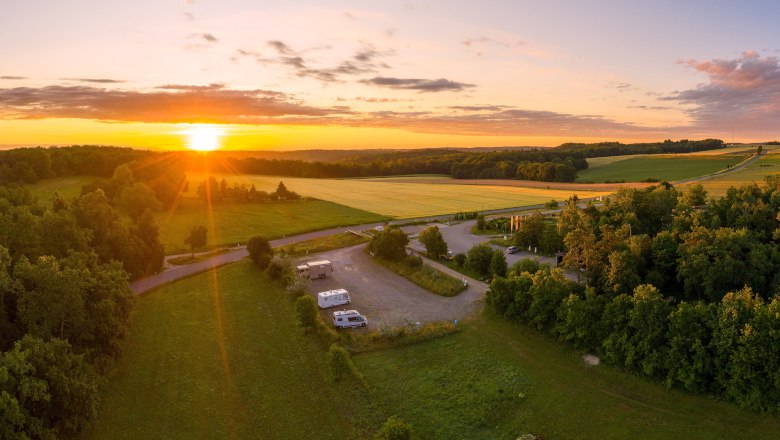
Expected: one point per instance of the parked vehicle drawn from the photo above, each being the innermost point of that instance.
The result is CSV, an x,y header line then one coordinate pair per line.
x,y
333,298
315,269
349,318
512,249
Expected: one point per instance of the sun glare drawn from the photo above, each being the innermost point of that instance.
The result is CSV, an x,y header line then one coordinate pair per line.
x,y
204,137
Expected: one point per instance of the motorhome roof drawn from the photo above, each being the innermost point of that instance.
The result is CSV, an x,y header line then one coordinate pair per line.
x,y
345,312
333,292
318,263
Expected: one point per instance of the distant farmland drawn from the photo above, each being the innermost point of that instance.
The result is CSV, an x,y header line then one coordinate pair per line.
x,y
666,167
755,172
407,200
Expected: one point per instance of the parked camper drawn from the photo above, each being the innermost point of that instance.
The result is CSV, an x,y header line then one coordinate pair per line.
x,y
333,298
314,269
349,318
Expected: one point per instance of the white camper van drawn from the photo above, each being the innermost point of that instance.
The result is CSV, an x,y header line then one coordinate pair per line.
x,y
349,318
315,269
333,298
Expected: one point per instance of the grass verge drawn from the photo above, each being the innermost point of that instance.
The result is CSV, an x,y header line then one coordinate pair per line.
x,y
322,244
670,168
426,277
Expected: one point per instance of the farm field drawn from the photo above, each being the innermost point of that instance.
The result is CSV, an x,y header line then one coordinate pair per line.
x,y
407,200
218,356
231,223
768,164
666,167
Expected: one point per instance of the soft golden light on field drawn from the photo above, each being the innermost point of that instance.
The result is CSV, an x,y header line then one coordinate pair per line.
x,y
204,137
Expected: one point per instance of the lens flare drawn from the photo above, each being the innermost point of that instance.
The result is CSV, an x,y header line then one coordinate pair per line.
x,y
204,137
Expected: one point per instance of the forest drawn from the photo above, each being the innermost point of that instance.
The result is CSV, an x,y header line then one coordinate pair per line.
x,y
675,287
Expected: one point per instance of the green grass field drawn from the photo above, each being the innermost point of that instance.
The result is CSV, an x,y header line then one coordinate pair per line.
x,y
218,356
230,223
68,187
755,172
406,200
666,167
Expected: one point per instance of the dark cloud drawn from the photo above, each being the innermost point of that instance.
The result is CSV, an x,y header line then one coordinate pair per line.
x,y
209,37
169,104
281,48
363,61
13,77
421,85
741,95
651,107
94,80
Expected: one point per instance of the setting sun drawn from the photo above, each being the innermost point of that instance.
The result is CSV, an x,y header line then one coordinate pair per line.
x,y
204,137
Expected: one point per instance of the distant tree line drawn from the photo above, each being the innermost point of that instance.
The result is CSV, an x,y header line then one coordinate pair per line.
x,y
218,191
713,330
544,164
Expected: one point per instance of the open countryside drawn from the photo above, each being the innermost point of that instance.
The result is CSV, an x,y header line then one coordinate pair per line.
x,y
439,220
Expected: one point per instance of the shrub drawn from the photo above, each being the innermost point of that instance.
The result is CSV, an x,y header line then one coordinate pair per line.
x,y
526,265
394,428
306,310
389,244
498,264
339,363
299,286
478,259
413,261
435,246
460,259
260,251
281,269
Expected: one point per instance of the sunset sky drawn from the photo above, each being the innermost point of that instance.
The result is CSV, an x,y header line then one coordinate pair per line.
x,y
374,74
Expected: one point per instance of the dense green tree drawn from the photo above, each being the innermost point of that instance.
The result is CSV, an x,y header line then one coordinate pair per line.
x,y
197,238
260,251
478,259
548,290
579,320
648,324
689,361
46,391
434,243
389,244
498,266
306,310
614,323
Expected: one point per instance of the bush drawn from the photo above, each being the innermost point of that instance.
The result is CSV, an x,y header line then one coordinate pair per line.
x,y
260,251
299,286
306,310
389,244
460,259
527,265
281,269
413,261
435,246
478,259
498,264
339,363
394,428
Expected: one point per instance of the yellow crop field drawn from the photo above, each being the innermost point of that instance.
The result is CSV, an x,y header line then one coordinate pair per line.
x,y
406,200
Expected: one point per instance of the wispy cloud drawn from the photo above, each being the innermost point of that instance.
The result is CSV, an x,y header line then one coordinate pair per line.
x,y
366,60
13,77
421,85
94,80
171,104
741,94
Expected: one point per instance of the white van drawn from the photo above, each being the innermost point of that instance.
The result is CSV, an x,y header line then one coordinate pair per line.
x,y
333,298
349,318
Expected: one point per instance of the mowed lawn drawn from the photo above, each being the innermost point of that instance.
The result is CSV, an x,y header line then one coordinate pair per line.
x,y
231,223
666,167
219,355
407,200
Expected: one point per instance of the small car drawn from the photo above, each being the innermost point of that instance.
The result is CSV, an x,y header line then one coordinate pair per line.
x,y
512,249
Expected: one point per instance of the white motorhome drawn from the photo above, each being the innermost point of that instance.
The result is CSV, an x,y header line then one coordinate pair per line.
x,y
315,269
333,298
349,318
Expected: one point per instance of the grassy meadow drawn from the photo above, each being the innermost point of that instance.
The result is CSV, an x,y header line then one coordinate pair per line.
x,y
230,223
68,187
666,167
218,355
768,164
406,200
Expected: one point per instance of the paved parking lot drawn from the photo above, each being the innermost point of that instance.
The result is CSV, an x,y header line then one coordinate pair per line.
x,y
384,297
